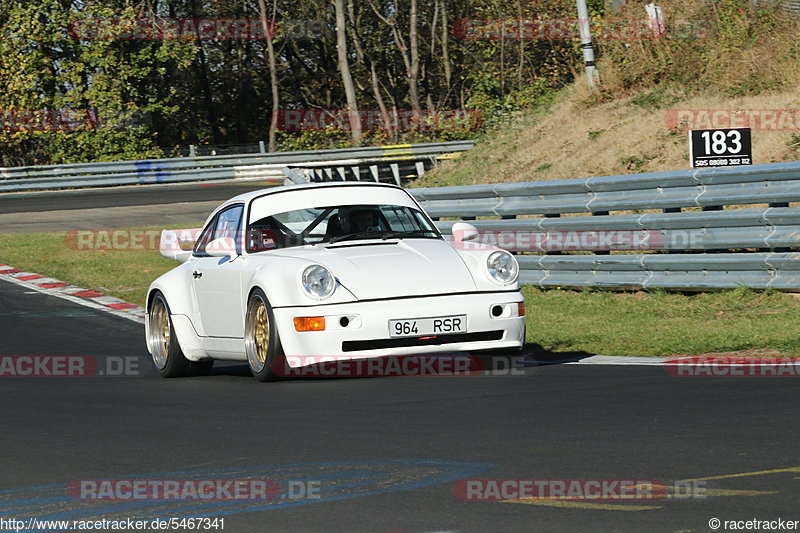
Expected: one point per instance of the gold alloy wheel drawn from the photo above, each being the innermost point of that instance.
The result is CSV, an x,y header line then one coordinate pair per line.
x,y
257,342
159,333
262,333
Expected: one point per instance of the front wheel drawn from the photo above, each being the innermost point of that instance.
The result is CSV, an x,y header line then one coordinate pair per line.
x,y
261,342
167,355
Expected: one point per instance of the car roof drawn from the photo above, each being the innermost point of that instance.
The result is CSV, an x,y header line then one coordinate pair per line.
x,y
246,197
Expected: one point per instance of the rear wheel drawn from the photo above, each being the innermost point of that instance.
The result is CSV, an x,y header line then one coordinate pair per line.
x,y
261,342
167,355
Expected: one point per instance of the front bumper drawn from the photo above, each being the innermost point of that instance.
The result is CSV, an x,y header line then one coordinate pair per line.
x,y
367,331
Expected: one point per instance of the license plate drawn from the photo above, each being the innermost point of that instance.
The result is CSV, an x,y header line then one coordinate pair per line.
x,y
419,327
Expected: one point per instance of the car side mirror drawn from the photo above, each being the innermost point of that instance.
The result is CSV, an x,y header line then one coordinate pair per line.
x,y
177,244
222,247
463,231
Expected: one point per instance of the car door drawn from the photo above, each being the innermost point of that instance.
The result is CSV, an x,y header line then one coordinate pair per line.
x,y
217,281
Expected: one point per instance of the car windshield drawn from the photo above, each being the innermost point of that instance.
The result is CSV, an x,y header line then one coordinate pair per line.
x,y
332,224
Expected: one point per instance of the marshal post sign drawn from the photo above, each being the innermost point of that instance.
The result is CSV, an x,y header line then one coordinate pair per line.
x,y
720,147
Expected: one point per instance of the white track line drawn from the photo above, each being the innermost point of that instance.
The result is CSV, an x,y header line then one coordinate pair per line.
x,y
606,360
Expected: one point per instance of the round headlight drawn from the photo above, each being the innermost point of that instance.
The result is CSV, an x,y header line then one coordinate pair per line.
x,y
502,267
318,281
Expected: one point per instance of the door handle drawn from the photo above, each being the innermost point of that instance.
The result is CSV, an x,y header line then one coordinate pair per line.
x,y
197,274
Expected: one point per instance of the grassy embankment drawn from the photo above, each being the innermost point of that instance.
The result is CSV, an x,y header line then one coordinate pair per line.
x,y
744,58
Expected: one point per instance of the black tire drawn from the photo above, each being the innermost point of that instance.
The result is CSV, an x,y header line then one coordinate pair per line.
x,y
261,340
167,355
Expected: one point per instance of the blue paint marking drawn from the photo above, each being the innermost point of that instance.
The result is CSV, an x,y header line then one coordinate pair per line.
x,y
283,497
26,489
10,503
147,169
142,167
353,480
162,173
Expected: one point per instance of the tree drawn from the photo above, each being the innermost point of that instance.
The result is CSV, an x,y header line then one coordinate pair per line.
x,y
157,95
269,32
344,69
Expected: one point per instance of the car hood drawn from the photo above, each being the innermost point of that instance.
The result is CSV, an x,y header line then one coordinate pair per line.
x,y
386,269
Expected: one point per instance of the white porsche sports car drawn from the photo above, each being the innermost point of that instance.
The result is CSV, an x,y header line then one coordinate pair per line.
x,y
348,270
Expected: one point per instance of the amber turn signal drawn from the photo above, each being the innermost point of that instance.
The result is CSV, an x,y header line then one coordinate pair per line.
x,y
309,323
521,308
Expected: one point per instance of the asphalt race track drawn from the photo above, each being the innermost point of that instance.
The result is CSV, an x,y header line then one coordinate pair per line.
x,y
384,454
125,196
117,207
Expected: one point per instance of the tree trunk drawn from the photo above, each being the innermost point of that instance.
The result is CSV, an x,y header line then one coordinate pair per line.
x,y
269,28
413,71
448,69
376,91
344,70
362,56
521,64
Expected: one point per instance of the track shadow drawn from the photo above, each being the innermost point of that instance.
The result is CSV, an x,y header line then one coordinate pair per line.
x,y
535,354
458,364
224,368
532,354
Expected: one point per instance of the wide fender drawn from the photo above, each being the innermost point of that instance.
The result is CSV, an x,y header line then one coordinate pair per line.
x,y
176,288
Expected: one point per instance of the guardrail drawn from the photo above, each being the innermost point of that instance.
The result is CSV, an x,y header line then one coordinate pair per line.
x,y
686,240
202,168
397,170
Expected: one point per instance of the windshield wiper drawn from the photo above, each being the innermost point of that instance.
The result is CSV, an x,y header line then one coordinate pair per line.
x,y
357,235
410,233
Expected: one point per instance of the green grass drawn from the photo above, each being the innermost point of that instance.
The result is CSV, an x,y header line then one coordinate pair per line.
x,y
662,323
125,274
560,321
659,98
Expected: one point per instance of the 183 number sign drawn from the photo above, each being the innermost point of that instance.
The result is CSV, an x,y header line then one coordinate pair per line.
x,y
720,148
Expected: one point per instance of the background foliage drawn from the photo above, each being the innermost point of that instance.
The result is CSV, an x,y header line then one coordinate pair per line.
x,y
151,98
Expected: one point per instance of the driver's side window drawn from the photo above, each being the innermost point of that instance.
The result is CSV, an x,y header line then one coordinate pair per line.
x,y
227,223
